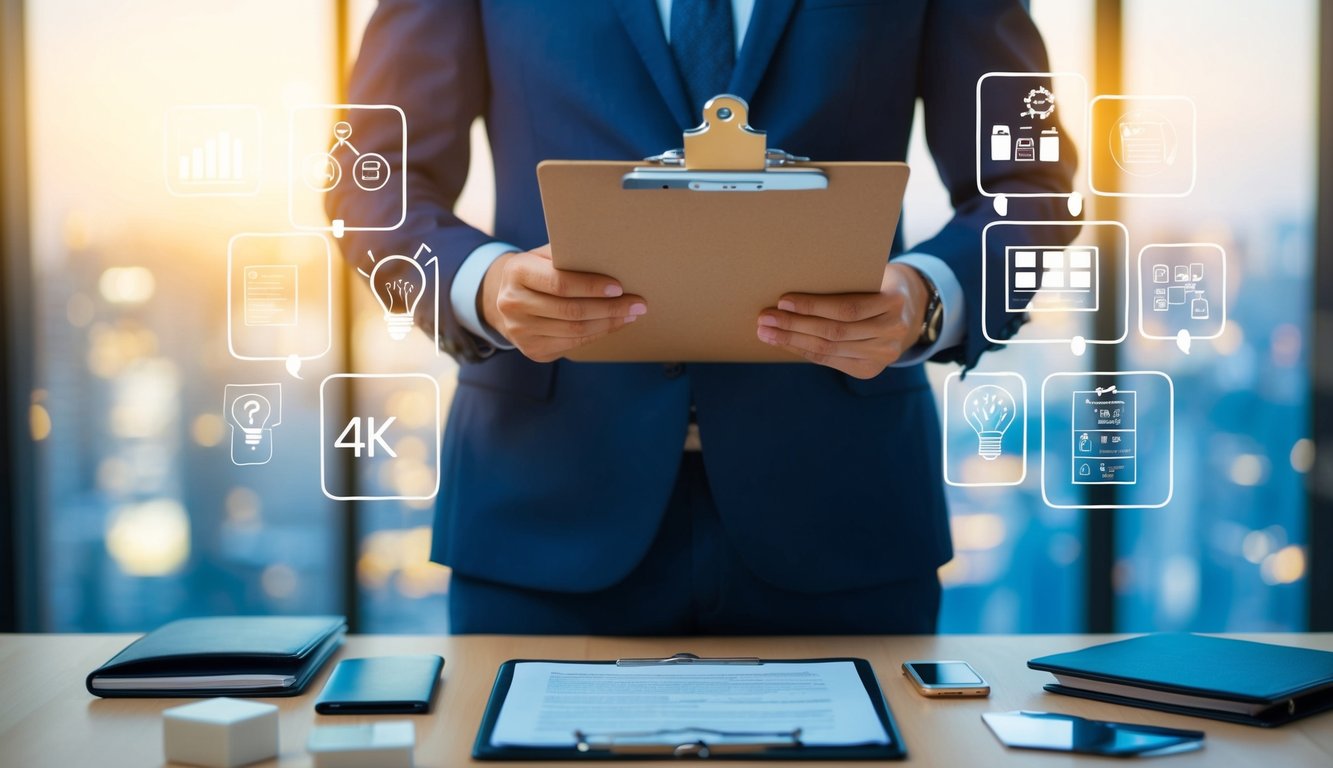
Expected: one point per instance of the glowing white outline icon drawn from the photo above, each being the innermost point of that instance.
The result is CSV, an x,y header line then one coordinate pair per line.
x,y
332,170
1094,141
988,444
399,297
1184,336
227,164
1074,200
1171,438
253,410
324,446
293,360
1077,344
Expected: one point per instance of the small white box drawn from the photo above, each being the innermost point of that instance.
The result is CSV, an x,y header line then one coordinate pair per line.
x,y
1080,279
1053,279
1025,280
373,745
1080,258
1025,259
220,733
1053,259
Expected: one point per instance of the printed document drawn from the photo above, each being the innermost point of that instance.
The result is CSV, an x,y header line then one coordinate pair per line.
x,y
548,701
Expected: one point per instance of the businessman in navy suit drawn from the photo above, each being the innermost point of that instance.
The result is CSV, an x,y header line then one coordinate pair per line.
x,y
700,498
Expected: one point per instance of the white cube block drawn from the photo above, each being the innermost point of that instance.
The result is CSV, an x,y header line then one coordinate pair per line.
x,y
220,733
373,745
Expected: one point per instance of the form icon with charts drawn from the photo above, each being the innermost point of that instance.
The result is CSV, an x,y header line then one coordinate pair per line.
x,y
213,150
1104,434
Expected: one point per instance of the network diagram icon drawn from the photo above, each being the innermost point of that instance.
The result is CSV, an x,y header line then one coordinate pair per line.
x,y
322,170
359,152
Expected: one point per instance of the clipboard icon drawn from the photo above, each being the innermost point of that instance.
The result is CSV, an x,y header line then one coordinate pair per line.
x,y
713,233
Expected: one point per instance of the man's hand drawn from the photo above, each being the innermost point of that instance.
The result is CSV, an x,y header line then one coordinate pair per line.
x,y
545,311
859,334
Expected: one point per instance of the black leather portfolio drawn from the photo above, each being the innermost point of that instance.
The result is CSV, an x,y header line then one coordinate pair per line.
x,y
222,656
1220,678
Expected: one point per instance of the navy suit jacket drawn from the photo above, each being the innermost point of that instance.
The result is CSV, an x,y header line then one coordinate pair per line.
x,y
556,475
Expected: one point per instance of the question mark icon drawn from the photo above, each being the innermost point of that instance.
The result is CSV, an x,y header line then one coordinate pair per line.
x,y
251,408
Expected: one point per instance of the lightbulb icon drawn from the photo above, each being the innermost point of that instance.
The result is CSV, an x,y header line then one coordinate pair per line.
x,y
989,410
251,413
398,292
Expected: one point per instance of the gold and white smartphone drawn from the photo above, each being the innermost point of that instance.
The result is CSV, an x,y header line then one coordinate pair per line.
x,y
945,678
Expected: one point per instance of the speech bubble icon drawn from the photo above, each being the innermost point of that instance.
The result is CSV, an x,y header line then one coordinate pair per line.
x,y
294,365
1078,345
1183,340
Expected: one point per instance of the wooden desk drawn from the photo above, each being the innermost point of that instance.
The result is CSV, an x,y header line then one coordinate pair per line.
x,y
47,718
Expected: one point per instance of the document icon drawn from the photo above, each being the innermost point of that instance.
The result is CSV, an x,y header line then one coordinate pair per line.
x,y
270,295
1143,143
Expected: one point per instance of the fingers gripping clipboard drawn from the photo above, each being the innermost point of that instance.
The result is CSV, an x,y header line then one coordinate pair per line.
x,y
709,255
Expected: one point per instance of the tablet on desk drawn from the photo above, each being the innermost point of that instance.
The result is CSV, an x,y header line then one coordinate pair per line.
x,y
815,709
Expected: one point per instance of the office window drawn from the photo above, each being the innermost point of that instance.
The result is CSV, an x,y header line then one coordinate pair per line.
x,y
145,514
143,517
1230,551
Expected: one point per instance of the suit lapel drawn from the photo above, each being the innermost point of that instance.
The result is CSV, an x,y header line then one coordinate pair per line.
x,y
761,39
644,24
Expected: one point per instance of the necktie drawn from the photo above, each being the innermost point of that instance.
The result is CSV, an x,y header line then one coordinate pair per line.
x,y
703,43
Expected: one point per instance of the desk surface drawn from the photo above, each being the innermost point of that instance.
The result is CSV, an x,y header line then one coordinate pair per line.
x,y
47,718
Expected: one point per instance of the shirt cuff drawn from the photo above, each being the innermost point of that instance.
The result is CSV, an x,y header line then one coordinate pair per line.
x,y
467,285
951,299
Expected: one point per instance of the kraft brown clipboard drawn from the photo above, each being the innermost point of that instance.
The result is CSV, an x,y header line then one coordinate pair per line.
x,y
707,262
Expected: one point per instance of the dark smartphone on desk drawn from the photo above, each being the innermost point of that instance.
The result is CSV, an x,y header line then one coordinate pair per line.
x,y
381,685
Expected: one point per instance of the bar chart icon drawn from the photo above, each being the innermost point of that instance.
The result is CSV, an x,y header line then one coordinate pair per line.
x,y
213,150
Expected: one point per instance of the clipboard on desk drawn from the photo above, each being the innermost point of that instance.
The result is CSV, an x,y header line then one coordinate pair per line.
x,y
713,233
591,710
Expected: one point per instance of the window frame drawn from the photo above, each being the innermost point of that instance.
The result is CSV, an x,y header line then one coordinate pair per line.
x,y
18,534
1319,495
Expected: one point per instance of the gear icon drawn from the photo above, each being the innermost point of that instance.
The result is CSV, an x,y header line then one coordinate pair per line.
x,y
1040,103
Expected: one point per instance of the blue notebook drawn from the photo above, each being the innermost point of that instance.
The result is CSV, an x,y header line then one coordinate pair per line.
x,y
1215,677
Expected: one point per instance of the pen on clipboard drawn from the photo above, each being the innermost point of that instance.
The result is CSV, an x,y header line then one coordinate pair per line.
x,y
686,742
687,659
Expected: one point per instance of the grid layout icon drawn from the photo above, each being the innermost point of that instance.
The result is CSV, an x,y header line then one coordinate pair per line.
x,y
1051,278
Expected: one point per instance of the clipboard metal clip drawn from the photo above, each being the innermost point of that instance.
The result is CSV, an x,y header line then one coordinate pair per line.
x,y
724,141
686,742
682,659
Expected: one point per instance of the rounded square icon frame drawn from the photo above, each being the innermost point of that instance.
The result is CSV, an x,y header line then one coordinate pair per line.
x,y
1171,440
439,436
944,443
259,149
328,293
334,228
976,173
1194,145
1221,328
985,331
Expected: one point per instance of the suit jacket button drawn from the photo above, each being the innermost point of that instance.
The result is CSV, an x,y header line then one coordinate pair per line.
x,y
673,370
